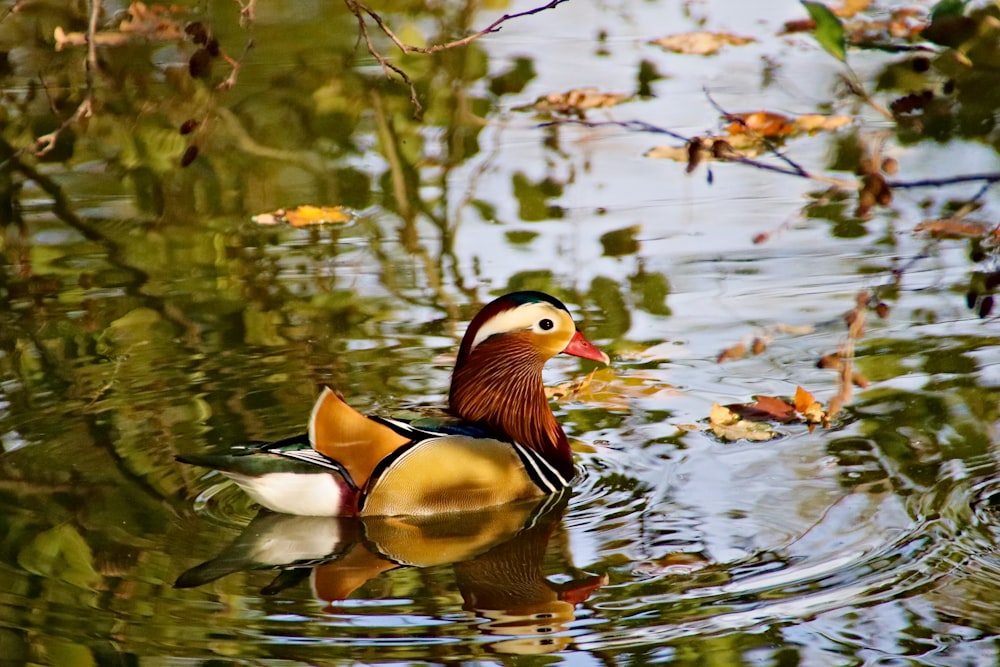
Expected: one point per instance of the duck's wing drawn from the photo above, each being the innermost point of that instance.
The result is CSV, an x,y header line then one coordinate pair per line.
x,y
358,443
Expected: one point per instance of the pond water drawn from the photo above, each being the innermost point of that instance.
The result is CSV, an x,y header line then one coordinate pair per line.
x,y
144,314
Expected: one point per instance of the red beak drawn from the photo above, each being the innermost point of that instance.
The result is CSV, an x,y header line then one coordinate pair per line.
x,y
581,347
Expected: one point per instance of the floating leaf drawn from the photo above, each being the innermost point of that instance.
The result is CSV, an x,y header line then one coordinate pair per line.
x,y
728,425
954,229
576,102
700,43
829,29
765,408
604,387
805,403
732,353
304,216
814,122
761,123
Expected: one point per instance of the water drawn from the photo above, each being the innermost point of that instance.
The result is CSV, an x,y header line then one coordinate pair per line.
x,y
150,317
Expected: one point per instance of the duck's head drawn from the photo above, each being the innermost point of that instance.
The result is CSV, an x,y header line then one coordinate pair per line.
x,y
522,323
497,381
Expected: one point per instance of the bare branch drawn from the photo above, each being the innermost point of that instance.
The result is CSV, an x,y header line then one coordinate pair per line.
x,y
642,126
47,142
248,11
359,9
235,64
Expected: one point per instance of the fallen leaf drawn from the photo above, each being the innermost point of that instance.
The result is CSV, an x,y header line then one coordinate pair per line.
x,y
815,122
304,216
700,43
605,387
727,425
732,353
762,123
807,406
577,102
949,228
765,408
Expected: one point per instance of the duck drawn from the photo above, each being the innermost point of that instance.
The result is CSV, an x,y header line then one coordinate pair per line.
x,y
501,444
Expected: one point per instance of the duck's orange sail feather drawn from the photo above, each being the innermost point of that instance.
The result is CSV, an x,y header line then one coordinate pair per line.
x,y
344,434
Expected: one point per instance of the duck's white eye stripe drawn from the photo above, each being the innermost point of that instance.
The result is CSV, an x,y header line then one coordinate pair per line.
x,y
523,317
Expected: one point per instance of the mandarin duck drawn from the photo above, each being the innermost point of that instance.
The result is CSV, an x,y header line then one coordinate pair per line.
x,y
504,445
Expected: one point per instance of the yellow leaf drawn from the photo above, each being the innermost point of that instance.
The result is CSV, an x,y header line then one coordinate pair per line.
x,y
762,123
727,425
814,122
304,216
700,43
577,101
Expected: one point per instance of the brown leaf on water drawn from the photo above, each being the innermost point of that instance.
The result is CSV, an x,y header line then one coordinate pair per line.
x,y
798,25
576,102
304,216
737,351
700,43
765,408
727,425
807,406
950,228
803,399
831,361
759,123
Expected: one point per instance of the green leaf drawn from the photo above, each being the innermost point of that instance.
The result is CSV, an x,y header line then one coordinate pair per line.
x,y
829,30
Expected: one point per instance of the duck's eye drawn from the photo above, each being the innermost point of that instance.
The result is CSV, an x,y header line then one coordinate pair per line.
x,y
546,324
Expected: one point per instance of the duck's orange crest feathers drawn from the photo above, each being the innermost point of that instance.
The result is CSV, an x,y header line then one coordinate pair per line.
x,y
342,433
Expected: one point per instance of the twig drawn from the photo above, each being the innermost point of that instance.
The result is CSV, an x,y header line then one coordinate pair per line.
x,y
990,179
357,8
642,126
248,11
235,64
426,50
854,85
855,330
360,9
47,142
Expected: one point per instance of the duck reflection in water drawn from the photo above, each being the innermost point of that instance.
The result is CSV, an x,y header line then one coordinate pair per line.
x,y
498,556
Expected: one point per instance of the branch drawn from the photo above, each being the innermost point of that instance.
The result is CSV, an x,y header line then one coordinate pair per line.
x,y
47,142
493,27
359,9
732,156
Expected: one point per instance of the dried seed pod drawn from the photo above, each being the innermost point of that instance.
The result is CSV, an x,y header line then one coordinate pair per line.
x,y
189,155
200,64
